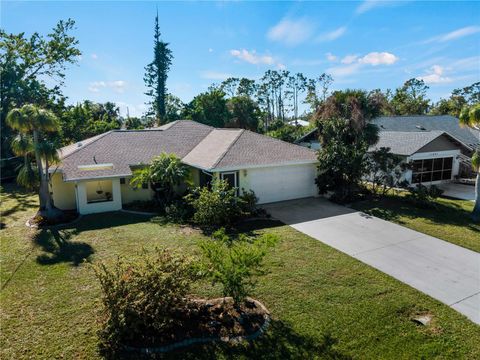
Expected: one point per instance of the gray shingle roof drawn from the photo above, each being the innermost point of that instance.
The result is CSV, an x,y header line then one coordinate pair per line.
x,y
405,142
446,123
199,145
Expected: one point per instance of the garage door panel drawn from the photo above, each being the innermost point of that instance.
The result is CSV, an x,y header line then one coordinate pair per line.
x,y
283,183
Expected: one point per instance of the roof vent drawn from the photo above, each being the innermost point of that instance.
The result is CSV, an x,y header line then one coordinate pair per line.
x,y
420,127
79,144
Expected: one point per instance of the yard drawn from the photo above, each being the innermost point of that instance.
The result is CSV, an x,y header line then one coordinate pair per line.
x,y
449,220
324,303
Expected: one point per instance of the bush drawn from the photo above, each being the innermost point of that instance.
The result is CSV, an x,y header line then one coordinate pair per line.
x,y
216,207
178,211
234,262
248,202
424,196
143,297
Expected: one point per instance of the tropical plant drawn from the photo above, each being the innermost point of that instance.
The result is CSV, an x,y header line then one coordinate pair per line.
x,y
471,117
244,112
36,122
235,262
32,71
217,206
143,296
156,74
384,170
209,108
166,176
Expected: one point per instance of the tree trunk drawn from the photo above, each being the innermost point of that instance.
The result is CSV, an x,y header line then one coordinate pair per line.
x,y
476,208
38,160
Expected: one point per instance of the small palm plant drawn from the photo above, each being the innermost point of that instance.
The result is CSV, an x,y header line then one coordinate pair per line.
x,y
33,123
471,117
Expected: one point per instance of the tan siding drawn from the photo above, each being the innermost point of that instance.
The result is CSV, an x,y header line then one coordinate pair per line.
x,y
441,143
63,193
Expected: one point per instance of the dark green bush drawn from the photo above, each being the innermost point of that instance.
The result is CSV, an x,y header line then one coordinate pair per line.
x,y
216,207
143,297
424,196
234,262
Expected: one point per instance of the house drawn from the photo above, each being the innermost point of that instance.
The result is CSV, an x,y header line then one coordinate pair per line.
x,y
416,123
93,175
434,156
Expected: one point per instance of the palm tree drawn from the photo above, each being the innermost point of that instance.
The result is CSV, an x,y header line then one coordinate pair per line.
x,y
471,117
33,122
22,145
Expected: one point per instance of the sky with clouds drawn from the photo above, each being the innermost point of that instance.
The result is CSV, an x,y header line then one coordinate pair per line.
x,y
364,44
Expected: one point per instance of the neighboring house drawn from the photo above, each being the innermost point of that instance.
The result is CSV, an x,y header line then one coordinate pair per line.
x,y
93,175
434,156
417,123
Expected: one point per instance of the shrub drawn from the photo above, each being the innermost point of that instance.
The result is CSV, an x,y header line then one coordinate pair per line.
x,y
215,207
234,262
249,202
178,211
143,297
424,196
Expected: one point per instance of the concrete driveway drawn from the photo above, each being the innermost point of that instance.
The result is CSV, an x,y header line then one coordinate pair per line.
x,y
446,272
458,191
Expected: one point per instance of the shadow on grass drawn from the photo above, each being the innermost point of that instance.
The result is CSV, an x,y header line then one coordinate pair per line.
x,y
279,342
58,248
394,209
23,199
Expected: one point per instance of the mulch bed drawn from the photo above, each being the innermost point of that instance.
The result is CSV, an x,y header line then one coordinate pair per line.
x,y
209,321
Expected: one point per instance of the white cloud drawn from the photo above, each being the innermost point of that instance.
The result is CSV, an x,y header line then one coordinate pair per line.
x,y
454,35
368,5
349,59
331,57
281,66
436,76
469,30
378,58
210,50
214,75
94,56
291,32
252,57
341,71
118,86
332,35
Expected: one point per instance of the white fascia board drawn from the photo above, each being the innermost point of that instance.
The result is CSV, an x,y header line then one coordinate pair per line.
x,y
99,177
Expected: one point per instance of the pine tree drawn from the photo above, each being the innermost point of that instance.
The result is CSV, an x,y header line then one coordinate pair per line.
x,y
156,74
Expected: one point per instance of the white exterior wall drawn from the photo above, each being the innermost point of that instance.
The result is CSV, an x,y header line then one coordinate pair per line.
x,y
435,155
279,183
84,207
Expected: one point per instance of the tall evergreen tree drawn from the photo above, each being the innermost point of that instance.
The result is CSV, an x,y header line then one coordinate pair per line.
x,y
156,74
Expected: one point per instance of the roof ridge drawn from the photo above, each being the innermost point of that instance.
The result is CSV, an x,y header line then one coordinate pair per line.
x,y
100,136
228,148
282,141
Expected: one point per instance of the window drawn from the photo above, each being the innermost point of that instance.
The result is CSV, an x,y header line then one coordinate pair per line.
x,y
122,181
231,178
428,170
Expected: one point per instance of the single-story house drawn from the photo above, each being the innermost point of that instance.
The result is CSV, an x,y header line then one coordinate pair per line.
x,y
434,156
416,123
93,175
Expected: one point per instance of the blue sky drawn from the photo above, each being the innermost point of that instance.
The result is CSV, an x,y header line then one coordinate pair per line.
x,y
365,44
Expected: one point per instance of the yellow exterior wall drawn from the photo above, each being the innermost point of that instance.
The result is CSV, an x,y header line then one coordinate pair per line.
x,y
63,193
130,194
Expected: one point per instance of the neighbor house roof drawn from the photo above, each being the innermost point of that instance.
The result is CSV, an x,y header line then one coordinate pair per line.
x,y
407,143
115,152
422,123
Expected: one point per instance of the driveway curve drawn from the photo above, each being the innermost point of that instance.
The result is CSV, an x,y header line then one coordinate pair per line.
x,y
446,272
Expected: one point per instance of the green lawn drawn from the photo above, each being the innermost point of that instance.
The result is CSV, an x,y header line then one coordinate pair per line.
x,y
449,220
324,303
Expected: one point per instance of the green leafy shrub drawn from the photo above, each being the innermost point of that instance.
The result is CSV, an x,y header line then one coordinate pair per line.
x,y
143,297
234,262
424,196
178,211
248,202
215,207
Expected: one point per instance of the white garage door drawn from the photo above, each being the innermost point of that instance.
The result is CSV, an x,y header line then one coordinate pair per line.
x,y
283,183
